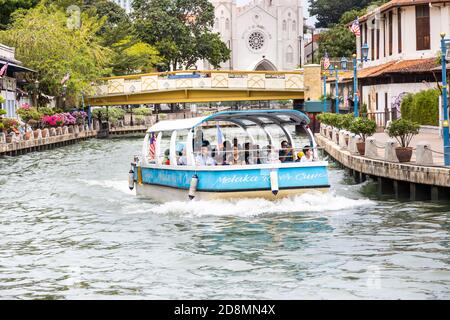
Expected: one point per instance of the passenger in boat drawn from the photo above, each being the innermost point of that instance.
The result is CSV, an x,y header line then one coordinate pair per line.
x,y
226,152
236,159
204,158
272,155
236,143
182,160
198,140
308,157
286,152
166,159
299,156
250,154
258,154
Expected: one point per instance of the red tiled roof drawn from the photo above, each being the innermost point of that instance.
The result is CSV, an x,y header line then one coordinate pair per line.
x,y
398,66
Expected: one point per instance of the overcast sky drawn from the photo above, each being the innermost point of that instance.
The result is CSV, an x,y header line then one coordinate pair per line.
x,y
305,6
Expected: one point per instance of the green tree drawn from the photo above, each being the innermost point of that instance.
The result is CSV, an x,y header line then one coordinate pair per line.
x,y
45,43
345,47
329,12
180,30
8,7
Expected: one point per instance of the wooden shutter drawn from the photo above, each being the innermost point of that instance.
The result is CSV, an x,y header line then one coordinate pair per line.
x,y
423,27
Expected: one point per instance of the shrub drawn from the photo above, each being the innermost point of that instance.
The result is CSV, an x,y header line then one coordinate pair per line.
x,y
2,112
422,107
47,111
2,100
113,114
363,127
345,121
142,111
28,113
9,124
363,109
403,131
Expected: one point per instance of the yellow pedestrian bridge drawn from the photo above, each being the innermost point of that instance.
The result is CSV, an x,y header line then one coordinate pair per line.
x,y
207,86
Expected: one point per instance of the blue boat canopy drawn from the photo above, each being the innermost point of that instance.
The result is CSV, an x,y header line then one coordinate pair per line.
x,y
243,118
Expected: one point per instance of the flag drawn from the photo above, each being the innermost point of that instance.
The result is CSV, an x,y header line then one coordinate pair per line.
x,y
355,28
152,147
220,137
326,61
66,77
3,70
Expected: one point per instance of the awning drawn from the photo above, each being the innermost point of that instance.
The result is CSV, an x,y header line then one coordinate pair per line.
x,y
244,118
15,67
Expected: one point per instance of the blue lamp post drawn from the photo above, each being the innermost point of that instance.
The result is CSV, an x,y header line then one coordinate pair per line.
x,y
445,125
325,92
365,54
335,71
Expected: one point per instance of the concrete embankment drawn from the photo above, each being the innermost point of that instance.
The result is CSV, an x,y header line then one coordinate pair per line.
x,y
415,181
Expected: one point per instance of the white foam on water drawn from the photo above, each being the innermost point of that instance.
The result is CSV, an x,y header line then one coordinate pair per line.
x,y
121,186
308,202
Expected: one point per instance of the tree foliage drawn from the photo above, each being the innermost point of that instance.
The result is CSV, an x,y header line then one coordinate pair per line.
x,y
329,12
180,30
422,107
45,43
8,7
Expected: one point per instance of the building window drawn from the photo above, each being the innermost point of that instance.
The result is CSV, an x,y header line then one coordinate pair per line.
x,y
378,43
372,44
294,26
399,15
284,25
423,27
390,32
384,35
289,55
256,41
227,24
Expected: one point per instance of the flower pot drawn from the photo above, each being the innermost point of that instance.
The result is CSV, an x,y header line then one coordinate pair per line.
x,y
27,135
361,146
404,154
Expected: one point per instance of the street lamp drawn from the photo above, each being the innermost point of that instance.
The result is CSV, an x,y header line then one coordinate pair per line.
x,y
365,53
36,86
64,96
445,125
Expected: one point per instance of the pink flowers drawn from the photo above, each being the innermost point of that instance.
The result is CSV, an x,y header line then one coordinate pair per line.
x,y
68,118
26,106
56,120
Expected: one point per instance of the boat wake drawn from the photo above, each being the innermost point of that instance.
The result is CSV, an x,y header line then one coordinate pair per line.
x,y
121,186
308,202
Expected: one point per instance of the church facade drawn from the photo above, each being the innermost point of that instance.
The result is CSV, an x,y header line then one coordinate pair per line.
x,y
262,35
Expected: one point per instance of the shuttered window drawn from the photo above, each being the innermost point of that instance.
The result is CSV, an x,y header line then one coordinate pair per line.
x,y
390,32
399,15
372,44
423,27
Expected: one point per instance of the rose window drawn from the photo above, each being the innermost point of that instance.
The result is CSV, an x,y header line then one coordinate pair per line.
x,y
256,40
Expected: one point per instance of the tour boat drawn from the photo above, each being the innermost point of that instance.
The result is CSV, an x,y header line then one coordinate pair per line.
x,y
169,167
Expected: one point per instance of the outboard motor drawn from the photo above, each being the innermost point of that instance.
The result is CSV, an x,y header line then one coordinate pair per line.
x,y
193,187
131,179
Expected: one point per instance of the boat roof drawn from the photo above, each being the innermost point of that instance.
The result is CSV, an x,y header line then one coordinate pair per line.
x,y
243,118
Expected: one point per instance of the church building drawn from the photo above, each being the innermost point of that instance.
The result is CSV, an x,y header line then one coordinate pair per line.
x,y
262,35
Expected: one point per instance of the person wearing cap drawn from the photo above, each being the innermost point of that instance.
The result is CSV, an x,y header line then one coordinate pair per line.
x,y
308,157
204,159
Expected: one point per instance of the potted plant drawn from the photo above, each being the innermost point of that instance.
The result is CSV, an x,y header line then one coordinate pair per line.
x,y
364,128
403,131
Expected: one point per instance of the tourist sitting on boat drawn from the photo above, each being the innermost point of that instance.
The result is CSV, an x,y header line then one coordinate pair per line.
x,y
166,159
226,151
204,158
258,154
182,160
308,157
236,159
300,155
272,155
286,152
198,140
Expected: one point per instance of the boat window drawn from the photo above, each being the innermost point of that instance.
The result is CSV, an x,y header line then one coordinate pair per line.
x,y
164,149
180,147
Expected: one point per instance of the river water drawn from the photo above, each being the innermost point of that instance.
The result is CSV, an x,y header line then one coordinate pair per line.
x,y
71,229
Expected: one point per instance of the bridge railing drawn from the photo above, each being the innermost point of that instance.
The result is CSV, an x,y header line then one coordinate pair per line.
x,y
203,80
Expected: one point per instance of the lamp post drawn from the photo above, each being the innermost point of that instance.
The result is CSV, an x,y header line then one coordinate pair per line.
x,y
36,88
445,125
325,92
335,71
64,96
365,53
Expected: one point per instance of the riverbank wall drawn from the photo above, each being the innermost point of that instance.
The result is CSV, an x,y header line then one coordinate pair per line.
x,y
401,180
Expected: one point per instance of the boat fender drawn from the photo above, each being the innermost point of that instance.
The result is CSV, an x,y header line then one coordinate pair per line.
x,y
274,181
193,187
131,179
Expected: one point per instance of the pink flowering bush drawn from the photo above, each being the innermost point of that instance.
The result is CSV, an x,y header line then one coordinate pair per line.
x,y
80,116
25,106
68,118
56,120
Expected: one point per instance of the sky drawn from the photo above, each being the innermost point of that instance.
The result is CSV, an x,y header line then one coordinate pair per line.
x,y
305,8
